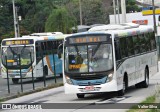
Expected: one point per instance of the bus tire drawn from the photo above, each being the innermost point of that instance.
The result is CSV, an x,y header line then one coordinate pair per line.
x,y
45,70
80,95
15,80
125,84
145,83
61,75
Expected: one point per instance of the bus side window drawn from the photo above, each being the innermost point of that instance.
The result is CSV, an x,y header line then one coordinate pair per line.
x,y
53,44
142,43
129,44
42,46
117,50
54,47
47,47
123,47
136,44
152,40
147,42
38,51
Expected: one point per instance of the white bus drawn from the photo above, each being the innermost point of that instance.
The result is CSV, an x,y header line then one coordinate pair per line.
x,y
109,58
42,47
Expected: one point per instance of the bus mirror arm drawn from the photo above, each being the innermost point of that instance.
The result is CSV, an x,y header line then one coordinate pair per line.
x,y
60,50
59,55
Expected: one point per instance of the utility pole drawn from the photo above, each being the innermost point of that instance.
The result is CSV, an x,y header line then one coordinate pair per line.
x,y
80,12
16,27
114,8
123,9
118,11
154,18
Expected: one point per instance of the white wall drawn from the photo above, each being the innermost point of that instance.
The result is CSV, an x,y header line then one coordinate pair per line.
x,y
134,16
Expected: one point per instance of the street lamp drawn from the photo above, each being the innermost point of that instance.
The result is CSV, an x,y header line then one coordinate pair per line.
x,y
154,18
16,27
114,8
118,11
80,12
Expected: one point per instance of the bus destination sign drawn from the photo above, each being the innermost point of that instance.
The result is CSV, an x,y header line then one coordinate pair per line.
x,y
17,42
88,39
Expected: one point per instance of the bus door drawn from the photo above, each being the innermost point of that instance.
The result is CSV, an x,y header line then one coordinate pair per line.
x,y
57,59
39,64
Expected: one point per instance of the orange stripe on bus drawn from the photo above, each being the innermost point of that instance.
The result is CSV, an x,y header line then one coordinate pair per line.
x,y
49,65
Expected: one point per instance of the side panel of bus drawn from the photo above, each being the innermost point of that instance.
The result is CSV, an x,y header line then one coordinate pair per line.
x,y
134,54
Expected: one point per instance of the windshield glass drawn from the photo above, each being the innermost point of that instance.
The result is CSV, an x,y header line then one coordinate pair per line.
x,y
12,54
88,58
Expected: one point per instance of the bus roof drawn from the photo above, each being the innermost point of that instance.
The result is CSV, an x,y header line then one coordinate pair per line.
x,y
37,37
125,29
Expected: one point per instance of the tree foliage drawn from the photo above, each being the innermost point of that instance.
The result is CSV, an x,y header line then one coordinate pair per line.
x,y
131,6
54,15
60,20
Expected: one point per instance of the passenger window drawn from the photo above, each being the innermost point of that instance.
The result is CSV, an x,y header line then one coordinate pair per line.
x,y
142,43
136,44
117,50
130,47
123,47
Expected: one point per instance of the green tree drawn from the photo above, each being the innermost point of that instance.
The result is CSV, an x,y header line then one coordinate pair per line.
x,y
131,6
60,20
93,11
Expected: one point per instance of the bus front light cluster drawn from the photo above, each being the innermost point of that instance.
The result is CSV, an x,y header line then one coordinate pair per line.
x,y
110,77
68,80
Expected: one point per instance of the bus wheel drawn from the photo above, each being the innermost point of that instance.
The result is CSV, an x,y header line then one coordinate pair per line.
x,y
45,70
145,83
61,74
15,80
123,90
80,95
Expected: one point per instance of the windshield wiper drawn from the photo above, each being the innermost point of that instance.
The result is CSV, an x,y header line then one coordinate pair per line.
x,y
23,49
12,50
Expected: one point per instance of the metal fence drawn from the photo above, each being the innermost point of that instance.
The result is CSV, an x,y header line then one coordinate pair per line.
x,y
19,66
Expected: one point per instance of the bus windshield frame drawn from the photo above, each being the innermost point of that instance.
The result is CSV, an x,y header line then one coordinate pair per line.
x,y
88,57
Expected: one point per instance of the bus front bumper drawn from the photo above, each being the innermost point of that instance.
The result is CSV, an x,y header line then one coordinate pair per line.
x,y
107,87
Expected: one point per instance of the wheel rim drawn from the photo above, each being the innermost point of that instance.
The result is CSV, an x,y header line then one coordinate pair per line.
x,y
147,79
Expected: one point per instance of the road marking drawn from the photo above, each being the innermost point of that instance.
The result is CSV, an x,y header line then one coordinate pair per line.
x,y
111,100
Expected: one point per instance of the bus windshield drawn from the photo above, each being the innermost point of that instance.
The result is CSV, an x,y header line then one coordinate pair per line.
x,y
12,54
88,58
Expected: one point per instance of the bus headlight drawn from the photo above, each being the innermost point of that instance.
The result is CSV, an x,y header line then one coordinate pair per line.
x,y
109,78
68,80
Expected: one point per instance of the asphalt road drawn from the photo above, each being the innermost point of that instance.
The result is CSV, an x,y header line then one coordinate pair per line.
x,y
93,102
27,85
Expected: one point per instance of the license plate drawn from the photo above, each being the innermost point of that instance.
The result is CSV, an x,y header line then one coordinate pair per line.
x,y
89,88
17,76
